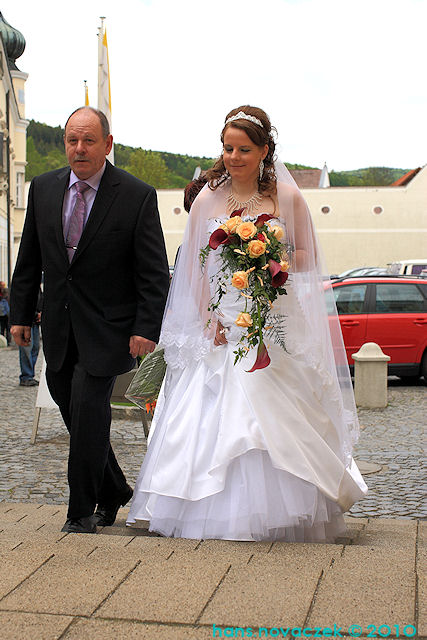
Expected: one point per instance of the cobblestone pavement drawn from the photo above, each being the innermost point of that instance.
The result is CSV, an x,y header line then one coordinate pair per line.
x,y
391,438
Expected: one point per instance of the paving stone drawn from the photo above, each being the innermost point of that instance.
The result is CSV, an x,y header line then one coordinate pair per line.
x,y
146,544
126,630
32,626
88,543
272,588
12,513
172,590
422,600
369,586
422,534
19,564
390,533
71,584
33,517
233,547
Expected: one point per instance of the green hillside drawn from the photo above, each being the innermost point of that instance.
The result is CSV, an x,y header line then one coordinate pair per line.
x,y
45,152
369,177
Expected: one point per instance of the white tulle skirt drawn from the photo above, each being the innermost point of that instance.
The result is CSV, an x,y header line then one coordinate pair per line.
x,y
241,456
258,503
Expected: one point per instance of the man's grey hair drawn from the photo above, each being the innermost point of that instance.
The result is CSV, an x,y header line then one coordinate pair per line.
x,y
105,126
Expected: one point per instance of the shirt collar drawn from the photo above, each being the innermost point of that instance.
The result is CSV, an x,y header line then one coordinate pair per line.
x,y
93,181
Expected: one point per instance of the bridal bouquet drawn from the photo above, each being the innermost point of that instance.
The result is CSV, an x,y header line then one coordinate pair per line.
x,y
255,257
145,386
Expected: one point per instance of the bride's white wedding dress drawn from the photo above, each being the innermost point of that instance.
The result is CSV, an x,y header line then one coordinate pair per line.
x,y
246,456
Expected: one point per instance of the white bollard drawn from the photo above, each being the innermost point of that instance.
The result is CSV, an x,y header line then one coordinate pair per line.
x,y
370,376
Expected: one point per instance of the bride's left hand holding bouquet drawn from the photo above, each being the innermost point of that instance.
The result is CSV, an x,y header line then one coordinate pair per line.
x,y
255,258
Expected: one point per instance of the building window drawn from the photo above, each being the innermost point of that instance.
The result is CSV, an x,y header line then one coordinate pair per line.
x,y
377,210
21,96
20,189
326,210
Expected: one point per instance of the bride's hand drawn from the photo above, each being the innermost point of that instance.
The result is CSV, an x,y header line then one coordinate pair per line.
x,y
220,335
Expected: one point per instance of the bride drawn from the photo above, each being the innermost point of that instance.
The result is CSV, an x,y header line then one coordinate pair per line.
x,y
238,454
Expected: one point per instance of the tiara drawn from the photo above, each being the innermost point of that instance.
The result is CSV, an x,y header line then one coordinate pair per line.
x,y
244,116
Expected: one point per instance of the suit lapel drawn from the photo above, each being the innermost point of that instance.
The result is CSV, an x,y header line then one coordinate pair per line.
x,y
105,196
57,195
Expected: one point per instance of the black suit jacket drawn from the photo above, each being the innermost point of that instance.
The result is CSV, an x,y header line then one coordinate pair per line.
x,y
117,282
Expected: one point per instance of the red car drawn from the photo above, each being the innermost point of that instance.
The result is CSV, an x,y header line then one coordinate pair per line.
x,y
391,311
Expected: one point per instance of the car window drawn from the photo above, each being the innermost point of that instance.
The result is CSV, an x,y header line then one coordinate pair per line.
x,y
398,298
417,268
350,298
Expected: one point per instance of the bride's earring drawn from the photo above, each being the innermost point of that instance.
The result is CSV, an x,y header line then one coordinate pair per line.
x,y
261,169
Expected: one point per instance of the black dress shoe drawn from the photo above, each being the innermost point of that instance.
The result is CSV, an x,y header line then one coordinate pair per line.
x,y
80,525
106,514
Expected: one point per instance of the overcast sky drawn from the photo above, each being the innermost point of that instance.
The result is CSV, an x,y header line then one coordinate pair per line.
x,y
343,80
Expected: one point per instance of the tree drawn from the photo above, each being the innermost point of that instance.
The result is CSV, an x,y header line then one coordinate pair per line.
x,y
377,177
149,167
35,162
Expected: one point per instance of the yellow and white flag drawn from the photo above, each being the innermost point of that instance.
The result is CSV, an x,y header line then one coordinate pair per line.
x,y
104,91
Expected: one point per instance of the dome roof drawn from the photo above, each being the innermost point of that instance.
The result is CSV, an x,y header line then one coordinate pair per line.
x,y
13,40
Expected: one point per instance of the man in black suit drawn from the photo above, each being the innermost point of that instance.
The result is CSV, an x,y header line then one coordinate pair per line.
x,y
94,231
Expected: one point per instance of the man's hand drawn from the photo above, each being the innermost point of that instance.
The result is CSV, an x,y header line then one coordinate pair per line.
x,y
139,346
21,334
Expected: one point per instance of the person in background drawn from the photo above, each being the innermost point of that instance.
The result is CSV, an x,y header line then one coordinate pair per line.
x,y
28,354
4,312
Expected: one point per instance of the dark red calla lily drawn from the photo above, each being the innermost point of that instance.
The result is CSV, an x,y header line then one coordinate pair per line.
x,y
262,218
260,237
262,358
238,212
278,277
218,237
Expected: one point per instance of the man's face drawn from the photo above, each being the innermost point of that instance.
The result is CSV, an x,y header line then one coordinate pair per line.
x,y
85,144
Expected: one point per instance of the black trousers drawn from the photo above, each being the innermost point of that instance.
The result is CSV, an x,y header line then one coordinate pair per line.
x,y
94,475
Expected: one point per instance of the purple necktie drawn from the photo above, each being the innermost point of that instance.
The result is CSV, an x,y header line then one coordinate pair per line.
x,y
77,220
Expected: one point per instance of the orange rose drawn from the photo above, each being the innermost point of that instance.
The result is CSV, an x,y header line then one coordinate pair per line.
x,y
240,280
232,224
243,320
246,230
278,232
284,265
256,248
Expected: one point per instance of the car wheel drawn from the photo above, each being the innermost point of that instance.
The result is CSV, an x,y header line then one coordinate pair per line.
x,y
410,379
423,368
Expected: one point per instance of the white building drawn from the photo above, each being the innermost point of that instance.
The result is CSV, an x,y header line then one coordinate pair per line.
x,y
13,127
357,226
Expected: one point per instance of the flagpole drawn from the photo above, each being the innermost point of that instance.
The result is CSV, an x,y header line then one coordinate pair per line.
x,y
104,92
100,57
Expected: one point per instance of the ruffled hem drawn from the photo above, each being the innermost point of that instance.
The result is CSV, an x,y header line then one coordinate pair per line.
x,y
258,502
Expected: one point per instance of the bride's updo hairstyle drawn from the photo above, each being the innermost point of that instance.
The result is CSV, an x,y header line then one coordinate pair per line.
x,y
260,135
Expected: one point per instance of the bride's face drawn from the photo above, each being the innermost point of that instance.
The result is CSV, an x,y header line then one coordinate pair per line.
x,y
242,156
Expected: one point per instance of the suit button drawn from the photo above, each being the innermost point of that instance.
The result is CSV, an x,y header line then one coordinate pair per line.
x,y
66,305
69,277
